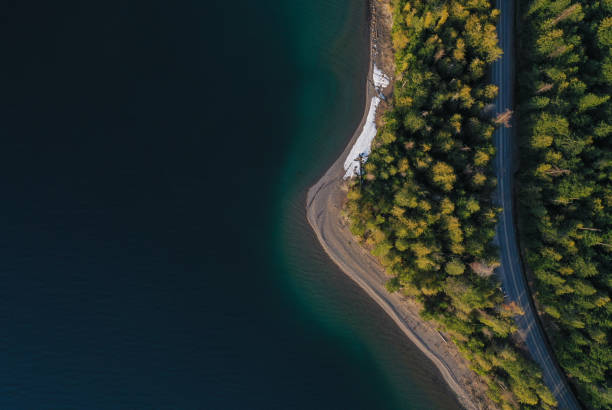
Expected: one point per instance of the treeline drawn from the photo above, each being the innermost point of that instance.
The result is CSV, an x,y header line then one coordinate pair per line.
x,y
424,202
565,196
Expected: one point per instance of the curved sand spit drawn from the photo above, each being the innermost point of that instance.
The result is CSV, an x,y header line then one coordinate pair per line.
x,y
323,209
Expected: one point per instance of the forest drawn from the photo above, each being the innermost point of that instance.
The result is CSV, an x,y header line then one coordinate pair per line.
x,y
565,182
423,202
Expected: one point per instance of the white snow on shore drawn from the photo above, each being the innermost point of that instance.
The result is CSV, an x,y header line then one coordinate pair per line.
x,y
380,79
363,144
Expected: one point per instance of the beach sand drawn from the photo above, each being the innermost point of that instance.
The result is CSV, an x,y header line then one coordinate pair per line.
x,y
324,204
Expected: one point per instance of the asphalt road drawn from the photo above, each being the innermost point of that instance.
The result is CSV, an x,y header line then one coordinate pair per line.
x,y
510,271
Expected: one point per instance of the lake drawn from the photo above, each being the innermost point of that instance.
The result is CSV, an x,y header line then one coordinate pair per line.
x,y
155,252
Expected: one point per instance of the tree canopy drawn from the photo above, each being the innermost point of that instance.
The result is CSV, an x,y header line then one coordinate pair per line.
x,y
424,206
565,196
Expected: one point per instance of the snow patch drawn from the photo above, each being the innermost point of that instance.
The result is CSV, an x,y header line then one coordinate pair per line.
x,y
363,145
380,79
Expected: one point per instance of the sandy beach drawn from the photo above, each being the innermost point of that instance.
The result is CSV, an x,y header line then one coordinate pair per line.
x,y
324,204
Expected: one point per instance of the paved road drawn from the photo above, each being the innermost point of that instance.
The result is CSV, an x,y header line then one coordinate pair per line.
x,y
511,273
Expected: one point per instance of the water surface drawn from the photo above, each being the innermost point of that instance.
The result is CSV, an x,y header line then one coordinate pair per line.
x,y
155,252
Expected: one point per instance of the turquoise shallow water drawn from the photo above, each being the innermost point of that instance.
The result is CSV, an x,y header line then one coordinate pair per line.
x,y
155,252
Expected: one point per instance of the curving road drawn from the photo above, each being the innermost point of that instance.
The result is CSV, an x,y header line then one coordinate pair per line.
x,y
510,271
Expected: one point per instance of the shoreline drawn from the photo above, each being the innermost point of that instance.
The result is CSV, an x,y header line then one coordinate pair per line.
x,y
324,203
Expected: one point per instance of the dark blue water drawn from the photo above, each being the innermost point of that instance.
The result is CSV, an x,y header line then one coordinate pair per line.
x,y
154,253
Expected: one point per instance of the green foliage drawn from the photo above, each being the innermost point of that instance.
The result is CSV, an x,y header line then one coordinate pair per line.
x,y
426,207
455,267
566,181
604,33
443,175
